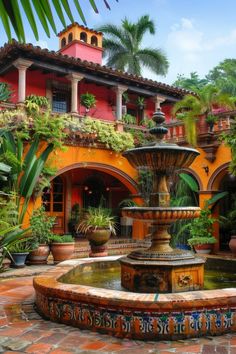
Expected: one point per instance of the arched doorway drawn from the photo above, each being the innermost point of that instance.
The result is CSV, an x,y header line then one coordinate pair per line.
x,y
80,188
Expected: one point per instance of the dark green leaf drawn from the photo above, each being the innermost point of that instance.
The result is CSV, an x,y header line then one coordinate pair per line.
x,y
30,16
190,181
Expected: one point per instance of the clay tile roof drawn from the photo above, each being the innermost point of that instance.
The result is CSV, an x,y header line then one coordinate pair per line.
x,y
77,24
11,51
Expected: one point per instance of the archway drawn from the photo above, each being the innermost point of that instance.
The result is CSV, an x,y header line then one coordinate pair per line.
x,y
90,185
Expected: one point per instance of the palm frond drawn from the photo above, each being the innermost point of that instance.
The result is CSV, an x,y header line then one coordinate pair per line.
x,y
11,15
142,26
154,59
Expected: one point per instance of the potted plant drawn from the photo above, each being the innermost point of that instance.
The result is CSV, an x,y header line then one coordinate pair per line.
x,y
98,225
140,102
88,100
201,232
41,226
19,250
211,119
62,247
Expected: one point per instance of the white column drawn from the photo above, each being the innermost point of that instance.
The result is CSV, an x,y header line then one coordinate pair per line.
x,y
22,65
74,78
119,90
158,99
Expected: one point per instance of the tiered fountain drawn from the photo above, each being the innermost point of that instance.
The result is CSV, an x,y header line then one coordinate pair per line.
x,y
161,268
61,297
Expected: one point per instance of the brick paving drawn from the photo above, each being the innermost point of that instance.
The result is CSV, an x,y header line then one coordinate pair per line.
x,y
22,330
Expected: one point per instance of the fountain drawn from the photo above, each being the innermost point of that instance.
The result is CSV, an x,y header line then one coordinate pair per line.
x,y
160,268
157,304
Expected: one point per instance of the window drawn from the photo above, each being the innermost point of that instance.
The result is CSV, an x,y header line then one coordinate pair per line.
x,y
70,37
94,41
60,101
53,199
83,37
63,42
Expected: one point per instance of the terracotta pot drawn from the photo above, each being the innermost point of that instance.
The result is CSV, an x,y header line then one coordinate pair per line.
x,y
232,244
98,239
39,256
62,251
204,248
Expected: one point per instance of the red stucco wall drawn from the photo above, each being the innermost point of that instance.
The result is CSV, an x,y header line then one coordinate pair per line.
x,y
84,52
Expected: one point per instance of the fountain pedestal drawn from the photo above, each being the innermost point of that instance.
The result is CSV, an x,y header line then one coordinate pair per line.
x,y
161,269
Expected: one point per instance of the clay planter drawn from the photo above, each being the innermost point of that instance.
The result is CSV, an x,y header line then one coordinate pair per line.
x,y
232,244
18,259
204,248
39,256
62,251
98,239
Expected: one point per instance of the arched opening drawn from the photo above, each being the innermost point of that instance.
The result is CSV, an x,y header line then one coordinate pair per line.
x,y
70,37
95,192
82,188
83,37
94,41
63,42
226,206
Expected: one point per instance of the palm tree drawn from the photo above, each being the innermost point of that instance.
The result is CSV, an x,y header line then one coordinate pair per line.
x,y
191,107
123,47
10,15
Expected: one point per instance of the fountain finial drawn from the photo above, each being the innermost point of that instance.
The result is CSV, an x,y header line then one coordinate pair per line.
x,y
159,130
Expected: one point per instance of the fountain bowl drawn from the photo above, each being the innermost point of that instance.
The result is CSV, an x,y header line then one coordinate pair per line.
x,y
133,315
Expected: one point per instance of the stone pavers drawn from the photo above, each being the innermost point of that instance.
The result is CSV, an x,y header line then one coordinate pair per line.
x,y
22,330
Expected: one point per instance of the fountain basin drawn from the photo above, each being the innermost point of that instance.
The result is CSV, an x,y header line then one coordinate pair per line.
x,y
133,315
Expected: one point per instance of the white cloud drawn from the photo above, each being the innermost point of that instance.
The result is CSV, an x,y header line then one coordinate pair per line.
x,y
185,36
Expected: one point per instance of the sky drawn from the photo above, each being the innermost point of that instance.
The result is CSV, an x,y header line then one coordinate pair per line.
x,y
195,35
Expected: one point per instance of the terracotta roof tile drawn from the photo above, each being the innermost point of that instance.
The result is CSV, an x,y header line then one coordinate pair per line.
x,y
16,49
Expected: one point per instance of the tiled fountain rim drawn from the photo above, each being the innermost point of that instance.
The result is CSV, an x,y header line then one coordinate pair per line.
x,y
49,284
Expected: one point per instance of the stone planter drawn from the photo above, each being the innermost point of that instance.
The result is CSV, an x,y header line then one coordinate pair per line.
x,y
204,248
62,251
18,259
98,240
232,244
39,256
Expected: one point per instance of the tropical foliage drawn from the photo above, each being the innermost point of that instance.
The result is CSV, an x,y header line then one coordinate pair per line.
x,y
41,225
203,103
5,92
124,50
25,167
223,76
201,229
229,138
192,83
11,14
106,134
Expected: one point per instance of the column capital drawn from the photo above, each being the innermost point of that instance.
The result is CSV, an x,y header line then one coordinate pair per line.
x,y
159,98
21,63
75,77
120,88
